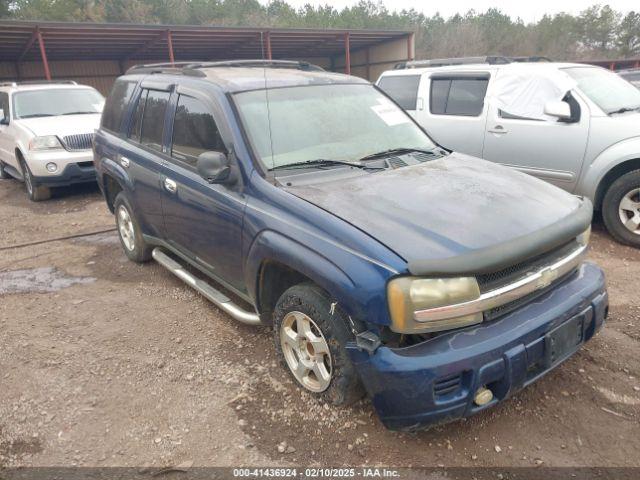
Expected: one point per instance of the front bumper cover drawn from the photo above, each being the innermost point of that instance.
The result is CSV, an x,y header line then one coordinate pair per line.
x,y
434,382
72,174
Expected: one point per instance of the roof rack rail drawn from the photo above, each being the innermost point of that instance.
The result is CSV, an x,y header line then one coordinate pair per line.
x,y
193,68
490,59
15,83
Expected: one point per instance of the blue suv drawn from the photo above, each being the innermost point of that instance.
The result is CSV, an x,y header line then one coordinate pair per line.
x,y
437,283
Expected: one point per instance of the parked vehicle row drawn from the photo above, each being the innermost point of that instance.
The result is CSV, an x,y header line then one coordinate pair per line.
x,y
573,125
436,282
46,131
631,75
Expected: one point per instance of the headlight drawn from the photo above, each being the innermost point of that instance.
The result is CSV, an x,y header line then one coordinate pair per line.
x,y
47,142
583,238
406,295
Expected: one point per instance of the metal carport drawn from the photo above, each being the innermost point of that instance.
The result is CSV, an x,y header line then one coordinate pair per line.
x,y
96,54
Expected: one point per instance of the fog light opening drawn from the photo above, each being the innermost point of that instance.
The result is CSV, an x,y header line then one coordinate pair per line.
x,y
483,396
51,167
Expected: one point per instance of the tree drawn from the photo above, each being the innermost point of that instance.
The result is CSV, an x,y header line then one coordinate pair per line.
x,y
628,35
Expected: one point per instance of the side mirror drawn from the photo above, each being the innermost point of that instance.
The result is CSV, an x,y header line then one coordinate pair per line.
x,y
3,120
214,167
558,109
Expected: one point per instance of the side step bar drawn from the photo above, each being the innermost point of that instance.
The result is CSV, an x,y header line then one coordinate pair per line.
x,y
218,298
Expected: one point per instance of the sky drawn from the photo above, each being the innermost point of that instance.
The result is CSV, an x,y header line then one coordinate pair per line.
x,y
527,10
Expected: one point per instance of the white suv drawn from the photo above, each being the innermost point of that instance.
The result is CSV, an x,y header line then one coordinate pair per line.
x,y
576,126
46,130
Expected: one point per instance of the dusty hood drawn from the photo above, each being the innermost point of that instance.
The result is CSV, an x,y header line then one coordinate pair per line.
x,y
61,125
456,214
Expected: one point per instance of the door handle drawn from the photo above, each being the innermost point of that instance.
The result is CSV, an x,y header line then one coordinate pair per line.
x,y
124,161
170,185
499,129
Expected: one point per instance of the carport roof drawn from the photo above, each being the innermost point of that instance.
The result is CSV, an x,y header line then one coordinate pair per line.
x,y
99,41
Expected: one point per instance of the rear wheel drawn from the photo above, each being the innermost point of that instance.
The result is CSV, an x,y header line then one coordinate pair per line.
x,y
621,209
129,231
310,338
37,193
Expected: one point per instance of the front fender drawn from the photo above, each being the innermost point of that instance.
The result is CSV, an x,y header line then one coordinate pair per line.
x,y
606,160
357,285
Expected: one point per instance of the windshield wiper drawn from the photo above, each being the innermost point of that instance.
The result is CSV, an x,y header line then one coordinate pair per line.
x,y
624,110
395,151
320,162
78,113
34,115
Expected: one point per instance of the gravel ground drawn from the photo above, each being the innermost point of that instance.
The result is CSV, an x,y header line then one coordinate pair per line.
x,y
107,363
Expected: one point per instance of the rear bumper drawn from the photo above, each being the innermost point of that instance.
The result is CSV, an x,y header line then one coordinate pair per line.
x,y
435,381
72,174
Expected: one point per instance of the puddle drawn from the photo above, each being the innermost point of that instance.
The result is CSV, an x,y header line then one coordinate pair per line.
x,y
46,279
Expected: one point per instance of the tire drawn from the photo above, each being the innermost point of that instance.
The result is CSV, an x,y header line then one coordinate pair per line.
x,y
3,173
621,205
36,193
308,304
129,232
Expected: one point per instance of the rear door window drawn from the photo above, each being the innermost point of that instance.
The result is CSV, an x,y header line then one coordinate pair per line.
x,y
116,104
194,131
458,96
136,121
402,88
153,119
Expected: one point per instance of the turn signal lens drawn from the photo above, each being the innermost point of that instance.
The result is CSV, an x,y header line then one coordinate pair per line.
x,y
583,238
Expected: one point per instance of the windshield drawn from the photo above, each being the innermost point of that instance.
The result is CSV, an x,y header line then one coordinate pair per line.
x,y
332,122
606,89
57,101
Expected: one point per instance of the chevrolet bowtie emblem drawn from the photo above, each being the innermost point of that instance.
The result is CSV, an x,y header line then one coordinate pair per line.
x,y
546,277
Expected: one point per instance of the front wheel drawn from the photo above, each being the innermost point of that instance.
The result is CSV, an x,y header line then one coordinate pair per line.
x,y
621,209
37,193
310,338
3,173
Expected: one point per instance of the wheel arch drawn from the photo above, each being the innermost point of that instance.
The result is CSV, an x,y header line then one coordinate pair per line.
x,y
114,181
275,263
611,176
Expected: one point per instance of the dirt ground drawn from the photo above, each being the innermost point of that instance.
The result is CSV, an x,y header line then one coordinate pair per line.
x,y
107,363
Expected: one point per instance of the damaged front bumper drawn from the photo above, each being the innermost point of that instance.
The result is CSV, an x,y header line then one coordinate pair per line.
x,y
435,381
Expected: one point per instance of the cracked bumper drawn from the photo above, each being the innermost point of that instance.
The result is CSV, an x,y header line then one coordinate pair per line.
x,y
434,382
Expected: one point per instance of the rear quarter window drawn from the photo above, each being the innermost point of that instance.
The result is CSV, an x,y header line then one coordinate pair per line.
x,y
457,96
116,104
402,88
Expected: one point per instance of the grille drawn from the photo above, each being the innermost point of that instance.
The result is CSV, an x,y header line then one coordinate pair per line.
x,y
491,281
78,142
447,385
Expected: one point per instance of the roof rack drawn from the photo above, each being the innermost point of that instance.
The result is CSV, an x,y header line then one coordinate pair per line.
x,y
491,60
193,68
36,82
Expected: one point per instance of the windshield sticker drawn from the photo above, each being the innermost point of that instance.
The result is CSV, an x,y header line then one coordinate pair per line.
x,y
390,114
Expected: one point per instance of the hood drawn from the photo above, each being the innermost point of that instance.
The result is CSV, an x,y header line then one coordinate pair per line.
x,y
455,215
61,125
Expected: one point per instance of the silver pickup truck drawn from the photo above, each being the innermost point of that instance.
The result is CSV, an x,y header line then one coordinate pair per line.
x,y
574,125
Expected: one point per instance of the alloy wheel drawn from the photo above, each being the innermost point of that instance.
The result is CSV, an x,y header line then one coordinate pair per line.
x,y
125,227
629,211
306,351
